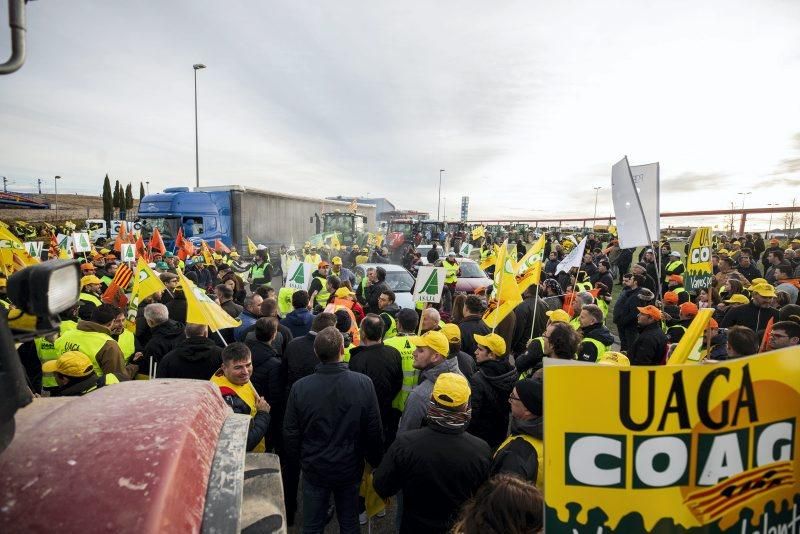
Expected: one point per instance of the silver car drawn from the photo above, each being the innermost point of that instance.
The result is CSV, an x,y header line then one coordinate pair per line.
x,y
398,279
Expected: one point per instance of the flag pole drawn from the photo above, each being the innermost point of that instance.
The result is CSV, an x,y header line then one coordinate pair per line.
x,y
535,304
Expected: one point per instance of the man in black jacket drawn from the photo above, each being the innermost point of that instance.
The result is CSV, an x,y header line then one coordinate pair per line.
x,y
757,313
650,346
437,467
625,314
383,365
267,377
195,357
525,322
491,386
165,334
376,284
332,425
472,323
596,337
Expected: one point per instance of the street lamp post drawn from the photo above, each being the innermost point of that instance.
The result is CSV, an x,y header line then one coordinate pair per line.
x,y
196,66
741,224
596,192
439,206
769,226
55,181
147,183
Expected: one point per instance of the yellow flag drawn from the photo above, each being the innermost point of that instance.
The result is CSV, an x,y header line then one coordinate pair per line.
x,y
335,244
147,281
532,276
251,247
691,344
533,255
372,500
478,232
202,310
506,291
12,253
206,252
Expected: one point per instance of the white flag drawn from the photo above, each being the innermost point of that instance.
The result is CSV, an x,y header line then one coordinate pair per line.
x,y
573,259
635,203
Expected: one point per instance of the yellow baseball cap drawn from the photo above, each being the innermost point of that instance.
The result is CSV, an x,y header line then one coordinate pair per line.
x,y
72,363
755,281
343,292
90,279
723,251
451,390
610,357
558,316
738,298
765,290
434,339
337,260
493,342
452,332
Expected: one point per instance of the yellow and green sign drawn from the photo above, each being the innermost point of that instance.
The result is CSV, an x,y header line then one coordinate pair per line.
x,y
691,448
698,261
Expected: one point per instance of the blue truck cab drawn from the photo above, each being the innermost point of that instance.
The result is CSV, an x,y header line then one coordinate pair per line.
x,y
203,215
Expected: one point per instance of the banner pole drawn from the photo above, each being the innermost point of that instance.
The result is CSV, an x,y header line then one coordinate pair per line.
x,y
535,304
225,343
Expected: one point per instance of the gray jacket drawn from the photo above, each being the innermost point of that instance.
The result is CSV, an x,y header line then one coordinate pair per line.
x,y
417,402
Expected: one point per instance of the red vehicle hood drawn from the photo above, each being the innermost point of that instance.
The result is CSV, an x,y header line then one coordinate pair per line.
x,y
130,457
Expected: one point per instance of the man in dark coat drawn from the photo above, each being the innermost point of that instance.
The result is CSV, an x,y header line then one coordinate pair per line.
x,y
267,377
521,454
472,323
383,365
524,320
437,467
491,386
299,320
650,347
196,356
625,313
165,333
376,284
332,425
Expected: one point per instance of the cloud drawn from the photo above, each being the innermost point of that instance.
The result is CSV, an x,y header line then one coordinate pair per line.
x,y
689,182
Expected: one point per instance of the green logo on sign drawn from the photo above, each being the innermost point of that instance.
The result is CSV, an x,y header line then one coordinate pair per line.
x,y
129,255
430,290
84,242
299,275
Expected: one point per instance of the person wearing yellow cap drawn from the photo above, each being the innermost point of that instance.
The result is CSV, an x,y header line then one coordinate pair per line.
x,y
439,467
431,359
531,360
650,347
466,362
74,375
341,271
755,314
491,385
89,296
522,453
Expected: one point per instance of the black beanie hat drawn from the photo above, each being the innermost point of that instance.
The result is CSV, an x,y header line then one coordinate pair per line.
x,y
343,321
530,393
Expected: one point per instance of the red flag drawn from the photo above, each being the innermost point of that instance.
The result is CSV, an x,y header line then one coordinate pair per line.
x,y
220,247
179,240
186,251
141,251
156,243
53,251
765,339
122,236
115,294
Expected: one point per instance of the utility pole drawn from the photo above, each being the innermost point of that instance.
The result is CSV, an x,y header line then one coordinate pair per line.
x,y
56,195
196,67
40,185
439,206
769,226
5,184
596,192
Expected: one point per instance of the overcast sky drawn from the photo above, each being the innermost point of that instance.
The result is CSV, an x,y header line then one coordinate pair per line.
x,y
525,104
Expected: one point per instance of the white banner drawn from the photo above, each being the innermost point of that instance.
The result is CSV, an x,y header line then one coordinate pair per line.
x,y
34,248
81,243
299,275
573,259
429,285
635,203
127,252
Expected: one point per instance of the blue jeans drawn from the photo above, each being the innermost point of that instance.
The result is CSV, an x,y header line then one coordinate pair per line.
x,y
315,507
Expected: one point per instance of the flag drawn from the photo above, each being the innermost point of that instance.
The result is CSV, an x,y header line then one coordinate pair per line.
x,y
122,237
186,250
202,310
372,501
765,340
179,239
691,344
220,247
141,251
533,255
206,252
532,276
335,244
251,247
478,232
148,281
156,243
573,259
13,255
506,291
635,203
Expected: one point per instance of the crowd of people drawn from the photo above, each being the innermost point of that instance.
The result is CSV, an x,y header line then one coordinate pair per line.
x,y
441,412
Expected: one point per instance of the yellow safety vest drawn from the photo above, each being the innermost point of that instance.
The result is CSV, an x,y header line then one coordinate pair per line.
x,y
247,393
323,294
402,343
451,272
392,330
603,305
46,351
346,355
313,259
575,323
601,349
127,342
88,297
538,446
285,300
89,343
583,286
671,267
529,373
67,325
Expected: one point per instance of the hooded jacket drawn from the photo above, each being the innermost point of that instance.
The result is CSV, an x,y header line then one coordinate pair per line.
x,y
519,457
163,339
193,357
587,352
298,321
491,385
417,402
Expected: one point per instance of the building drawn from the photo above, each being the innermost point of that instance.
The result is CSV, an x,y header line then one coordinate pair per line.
x,y
382,205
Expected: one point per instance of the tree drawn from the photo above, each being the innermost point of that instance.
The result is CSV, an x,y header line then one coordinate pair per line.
x,y
141,191
117,196
129,197
108,202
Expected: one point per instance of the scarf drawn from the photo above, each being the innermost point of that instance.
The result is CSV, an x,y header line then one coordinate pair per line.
x,y
448,418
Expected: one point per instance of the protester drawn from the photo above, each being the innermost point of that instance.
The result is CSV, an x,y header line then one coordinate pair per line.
x,y
526,325
522,453
491,385
472,323
249,315
741,341
406,327
756,314
165,333
300,359
650,347
75,375
625,313
299,320
437,467
196,356
503,505
784,334
332,425
224,296
596,337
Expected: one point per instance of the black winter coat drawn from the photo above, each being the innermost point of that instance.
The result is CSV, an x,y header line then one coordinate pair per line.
x,y
751,316
491,386
383,365
259,425
193,357
625,312
524,320
163,339
266,376
469,326
519,457
299,360
438,470
650,346
466,363
371,296
177,307
332,424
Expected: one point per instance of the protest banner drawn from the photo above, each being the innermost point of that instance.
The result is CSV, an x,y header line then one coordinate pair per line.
x,y
81,243
299,275
430,282
698,261
128,252
690,448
